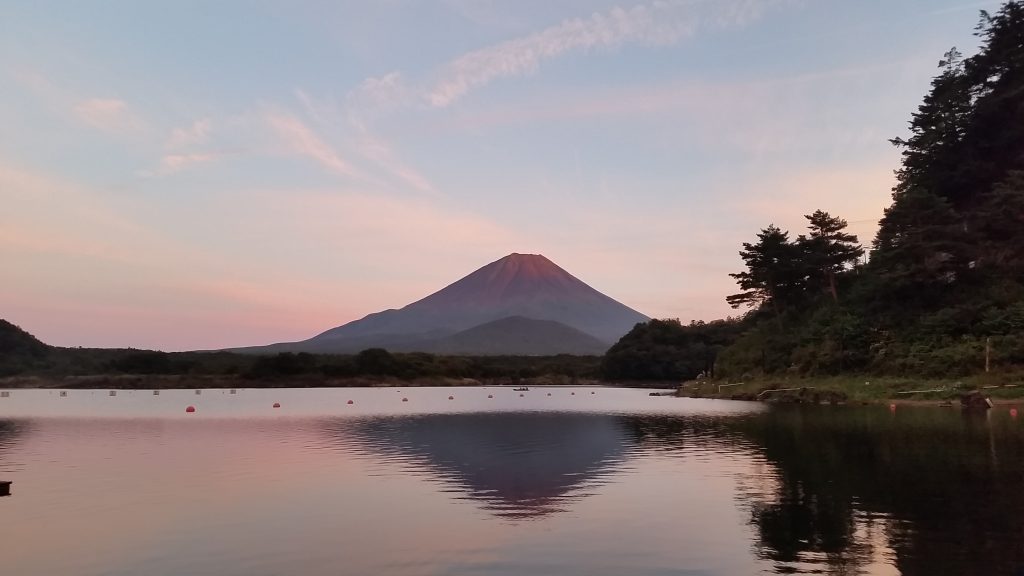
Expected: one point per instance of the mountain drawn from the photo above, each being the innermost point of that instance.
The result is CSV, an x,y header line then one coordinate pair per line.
x,y
516,288
518,336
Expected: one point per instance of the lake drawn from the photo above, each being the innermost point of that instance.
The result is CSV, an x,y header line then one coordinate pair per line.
x,y
560,480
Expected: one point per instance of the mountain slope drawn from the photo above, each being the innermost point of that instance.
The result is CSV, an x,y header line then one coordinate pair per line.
x,y
519,336
519,285
527,285
19,350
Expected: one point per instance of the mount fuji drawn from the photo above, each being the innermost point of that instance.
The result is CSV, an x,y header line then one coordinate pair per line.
x,y
520,304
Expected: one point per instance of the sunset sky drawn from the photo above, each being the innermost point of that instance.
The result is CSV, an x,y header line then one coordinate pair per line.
x,y
187,175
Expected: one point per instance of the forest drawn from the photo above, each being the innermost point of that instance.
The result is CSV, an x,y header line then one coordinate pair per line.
x,y
941,282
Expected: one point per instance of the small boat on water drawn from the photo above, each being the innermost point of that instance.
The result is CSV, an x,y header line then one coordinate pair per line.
x,y
523,389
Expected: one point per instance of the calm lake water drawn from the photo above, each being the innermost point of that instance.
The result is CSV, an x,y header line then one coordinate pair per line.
x,y
556,481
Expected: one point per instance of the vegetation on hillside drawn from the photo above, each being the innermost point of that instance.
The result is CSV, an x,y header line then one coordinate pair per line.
x,y
944,277
23,355
19,350
667,350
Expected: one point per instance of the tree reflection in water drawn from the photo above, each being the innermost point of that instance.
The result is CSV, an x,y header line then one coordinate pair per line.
x,y
941,489
836,490
850,490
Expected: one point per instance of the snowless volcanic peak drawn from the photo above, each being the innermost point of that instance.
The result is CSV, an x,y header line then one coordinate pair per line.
x,y
527,285
519,285
514,277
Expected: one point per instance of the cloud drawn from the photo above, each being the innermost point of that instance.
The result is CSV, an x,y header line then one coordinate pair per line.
x,y
300,139
313,109
173,163
107,114
838,112
381,154
659,23
195,134
387,91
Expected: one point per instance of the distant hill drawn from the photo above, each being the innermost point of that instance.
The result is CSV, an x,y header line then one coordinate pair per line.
x,y
19,350
518,336
524,286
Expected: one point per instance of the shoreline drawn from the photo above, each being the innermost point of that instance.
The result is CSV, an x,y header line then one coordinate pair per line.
x,y
1000,388
840,391
188,382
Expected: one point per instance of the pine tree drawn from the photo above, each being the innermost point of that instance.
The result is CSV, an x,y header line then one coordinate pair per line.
x,y
918,241
828,250
998,229
774,275
933,154
994,136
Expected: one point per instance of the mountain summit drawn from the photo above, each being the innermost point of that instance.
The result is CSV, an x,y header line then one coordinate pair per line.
x,y
524,286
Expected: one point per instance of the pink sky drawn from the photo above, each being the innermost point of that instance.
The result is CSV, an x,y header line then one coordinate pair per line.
x,y
307,166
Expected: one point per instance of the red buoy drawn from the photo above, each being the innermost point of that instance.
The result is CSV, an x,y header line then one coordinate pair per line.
x,y
277,404
351,402
451,397
1013,412
892,407
190,409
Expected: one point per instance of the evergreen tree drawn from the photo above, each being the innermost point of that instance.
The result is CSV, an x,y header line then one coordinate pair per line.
x,y
947,263
828,250
933,154
998,227
774,275
918,241
994,137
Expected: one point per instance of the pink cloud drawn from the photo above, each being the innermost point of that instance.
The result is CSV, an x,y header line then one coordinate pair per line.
x,y
300,139
107,114
196,133
663,22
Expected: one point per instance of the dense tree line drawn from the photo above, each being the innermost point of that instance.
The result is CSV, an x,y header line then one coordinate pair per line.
x,y
21,354
944,276
945,272
668,350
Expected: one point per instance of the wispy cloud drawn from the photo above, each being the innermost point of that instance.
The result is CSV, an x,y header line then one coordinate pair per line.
x,y
174,163
380,153
383,92
659,23
192,135
300,139
107,114
313,109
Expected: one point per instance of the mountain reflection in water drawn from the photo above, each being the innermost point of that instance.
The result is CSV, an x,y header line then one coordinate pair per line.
x,y
519,465
713,489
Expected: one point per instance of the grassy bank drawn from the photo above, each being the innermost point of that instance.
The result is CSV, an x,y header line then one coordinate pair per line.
x,y
998,386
